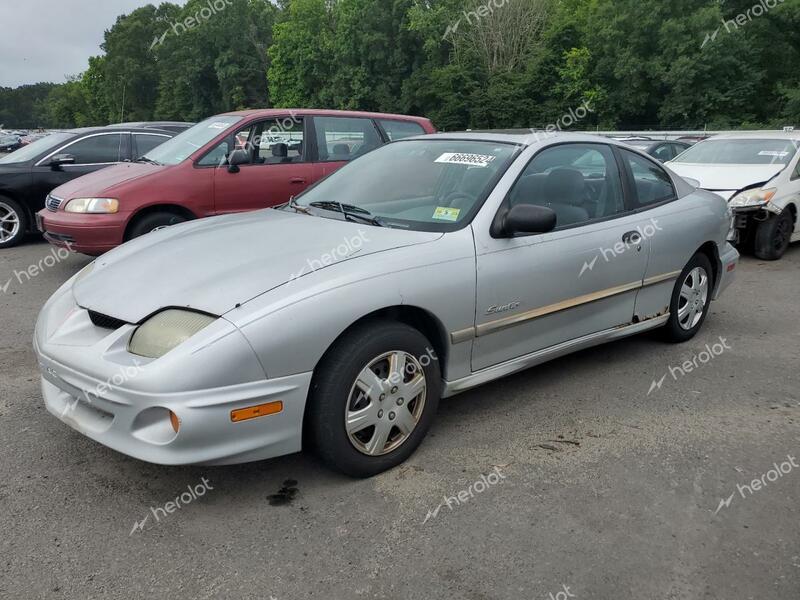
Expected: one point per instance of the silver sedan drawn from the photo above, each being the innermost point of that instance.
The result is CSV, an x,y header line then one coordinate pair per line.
x,y
339,320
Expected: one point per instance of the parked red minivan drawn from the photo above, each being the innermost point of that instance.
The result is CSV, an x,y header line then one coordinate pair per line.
x,y
233,162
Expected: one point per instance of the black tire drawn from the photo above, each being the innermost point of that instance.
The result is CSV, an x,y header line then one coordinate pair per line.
x,y
330,397
773,236
674,331
14,209
153,221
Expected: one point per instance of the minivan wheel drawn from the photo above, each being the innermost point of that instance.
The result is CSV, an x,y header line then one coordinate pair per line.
x,y
373,398
13,223
153,222
691,300
773,236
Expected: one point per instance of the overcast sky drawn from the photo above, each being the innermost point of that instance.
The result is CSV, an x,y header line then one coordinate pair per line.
x,y
49,40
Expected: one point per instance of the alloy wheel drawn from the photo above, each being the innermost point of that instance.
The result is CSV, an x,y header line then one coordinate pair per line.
x,y
693,298
385,403
9,222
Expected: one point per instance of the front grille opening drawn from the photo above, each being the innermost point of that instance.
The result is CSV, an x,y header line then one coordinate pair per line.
x,y
53,203
105,321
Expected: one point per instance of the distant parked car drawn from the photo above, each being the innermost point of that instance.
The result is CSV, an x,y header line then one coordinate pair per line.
x,y
28,175
10,143
759,173
174,126
661,150
233,162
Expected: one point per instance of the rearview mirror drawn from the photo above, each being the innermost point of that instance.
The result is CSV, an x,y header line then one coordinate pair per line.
x,y
236,158
527,219
61,159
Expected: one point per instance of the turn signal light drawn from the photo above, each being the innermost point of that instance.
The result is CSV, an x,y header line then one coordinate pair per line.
x,y
173,418
253,412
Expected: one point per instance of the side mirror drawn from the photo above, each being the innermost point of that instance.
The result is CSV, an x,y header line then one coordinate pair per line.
x,y
527,219
236,158
61,159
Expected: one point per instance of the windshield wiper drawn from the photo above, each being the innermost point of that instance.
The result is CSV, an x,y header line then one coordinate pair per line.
x,y
350,212
144,159
297,208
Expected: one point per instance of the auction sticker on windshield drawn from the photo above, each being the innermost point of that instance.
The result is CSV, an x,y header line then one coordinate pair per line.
x,y
472,160
444,213
218,125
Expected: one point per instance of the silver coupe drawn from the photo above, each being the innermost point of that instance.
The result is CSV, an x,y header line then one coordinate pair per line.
x,y
337,321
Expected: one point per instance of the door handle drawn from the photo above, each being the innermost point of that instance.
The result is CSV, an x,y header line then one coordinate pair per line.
x,y
632,238
297,180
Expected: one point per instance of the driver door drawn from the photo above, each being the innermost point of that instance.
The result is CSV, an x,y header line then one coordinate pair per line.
x,y
538,291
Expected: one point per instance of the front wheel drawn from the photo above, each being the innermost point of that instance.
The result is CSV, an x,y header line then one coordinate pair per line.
x,y
13,223
373,398
691,300
773,236
153,222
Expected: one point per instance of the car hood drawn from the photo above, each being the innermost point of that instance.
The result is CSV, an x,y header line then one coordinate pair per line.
x,y
213,265
105,181
726,178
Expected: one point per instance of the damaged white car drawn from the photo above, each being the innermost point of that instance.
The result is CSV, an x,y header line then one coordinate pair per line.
x,y
759,174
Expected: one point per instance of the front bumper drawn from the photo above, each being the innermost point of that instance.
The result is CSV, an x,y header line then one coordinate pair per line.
x,y
91,383
87,234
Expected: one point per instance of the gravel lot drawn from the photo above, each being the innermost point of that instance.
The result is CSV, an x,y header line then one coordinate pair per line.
x,y
627,511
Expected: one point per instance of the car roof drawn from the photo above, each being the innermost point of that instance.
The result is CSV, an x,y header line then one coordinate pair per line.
x,y
85,130
273,112
524,137
759,135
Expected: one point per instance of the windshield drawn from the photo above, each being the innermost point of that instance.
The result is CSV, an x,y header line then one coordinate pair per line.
x,y
425,185
36,148
740,152
182,146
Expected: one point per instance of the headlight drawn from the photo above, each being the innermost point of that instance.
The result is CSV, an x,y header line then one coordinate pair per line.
x,y
752,198
93,205
165,331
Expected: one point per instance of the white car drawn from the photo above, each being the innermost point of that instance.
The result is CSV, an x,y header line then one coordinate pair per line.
x,y
759,174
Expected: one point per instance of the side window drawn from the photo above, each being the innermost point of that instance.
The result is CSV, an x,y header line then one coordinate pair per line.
x,y
216,157
270,142
651,182
343,138
580,182
796,171
97,149
663,153
397,130
146,142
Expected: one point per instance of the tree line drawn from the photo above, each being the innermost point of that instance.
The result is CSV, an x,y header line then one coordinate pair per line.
x,y
668,64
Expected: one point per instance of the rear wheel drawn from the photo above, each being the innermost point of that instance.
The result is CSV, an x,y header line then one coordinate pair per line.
x,y
374,398
691,300
773,236
153,222
13,223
